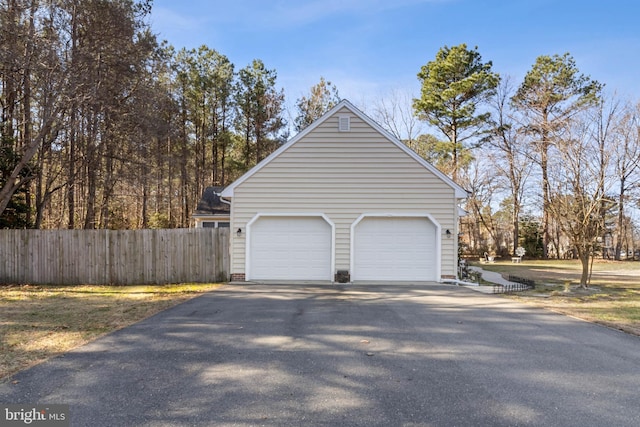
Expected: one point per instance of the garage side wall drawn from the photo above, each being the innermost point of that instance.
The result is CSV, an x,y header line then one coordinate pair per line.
x,y
344,174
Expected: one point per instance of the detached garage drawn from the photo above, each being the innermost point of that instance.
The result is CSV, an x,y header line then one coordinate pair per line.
x,y
343,201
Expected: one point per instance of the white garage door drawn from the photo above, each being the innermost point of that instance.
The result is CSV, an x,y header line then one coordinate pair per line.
x,y
290,248
395,248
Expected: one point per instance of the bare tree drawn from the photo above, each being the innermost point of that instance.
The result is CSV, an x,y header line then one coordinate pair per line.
x,y
627,165
512,151
485,232
395,113
578,191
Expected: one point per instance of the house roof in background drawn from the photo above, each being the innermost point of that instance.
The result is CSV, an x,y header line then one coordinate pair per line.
x,y
210,203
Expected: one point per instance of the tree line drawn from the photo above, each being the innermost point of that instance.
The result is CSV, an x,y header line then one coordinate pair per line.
x,y
103,126
551,164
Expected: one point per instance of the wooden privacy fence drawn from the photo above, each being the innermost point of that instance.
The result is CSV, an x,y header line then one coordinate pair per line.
x,y
114,256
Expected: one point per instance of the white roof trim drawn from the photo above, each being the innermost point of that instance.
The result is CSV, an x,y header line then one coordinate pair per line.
x,y
460,192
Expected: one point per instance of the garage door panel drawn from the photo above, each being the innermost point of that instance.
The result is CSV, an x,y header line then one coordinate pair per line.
x,y
395,248
290,248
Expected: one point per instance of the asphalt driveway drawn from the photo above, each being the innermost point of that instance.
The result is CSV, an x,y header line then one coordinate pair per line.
x,y
288,355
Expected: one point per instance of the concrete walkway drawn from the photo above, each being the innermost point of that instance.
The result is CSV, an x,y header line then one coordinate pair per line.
x,y
489,276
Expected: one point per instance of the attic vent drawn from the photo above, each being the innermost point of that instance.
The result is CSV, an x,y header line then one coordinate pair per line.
x,y
344,123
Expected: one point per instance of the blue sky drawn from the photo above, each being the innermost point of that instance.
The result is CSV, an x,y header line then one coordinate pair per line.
x,y
369,48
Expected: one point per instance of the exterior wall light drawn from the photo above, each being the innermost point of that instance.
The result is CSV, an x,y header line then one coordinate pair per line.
x,y
239,232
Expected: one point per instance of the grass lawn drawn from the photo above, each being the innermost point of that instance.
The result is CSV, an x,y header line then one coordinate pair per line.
x,y
37,322
613,298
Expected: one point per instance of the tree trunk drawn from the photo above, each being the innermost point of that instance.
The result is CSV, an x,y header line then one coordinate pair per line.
x,y
170,179
71,166
109,180
90,214
545,200
620,225
184,189
14,181
214,152
516,227
9,67
145,196
26,92
91,172
454,153
586,268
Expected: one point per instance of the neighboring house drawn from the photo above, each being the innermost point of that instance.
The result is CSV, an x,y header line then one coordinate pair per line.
x,y
212,212
343,201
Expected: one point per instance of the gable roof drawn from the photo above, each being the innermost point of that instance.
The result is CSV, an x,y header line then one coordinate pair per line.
x,y
211,204
459,191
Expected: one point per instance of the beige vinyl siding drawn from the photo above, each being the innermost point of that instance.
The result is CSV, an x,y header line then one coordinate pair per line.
x,y
344,175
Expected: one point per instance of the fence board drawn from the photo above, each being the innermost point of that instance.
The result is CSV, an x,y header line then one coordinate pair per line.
x,y
119,257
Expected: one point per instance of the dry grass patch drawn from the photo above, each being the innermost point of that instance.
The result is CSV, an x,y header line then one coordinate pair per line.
x,y
616,308
37,322
612,300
